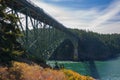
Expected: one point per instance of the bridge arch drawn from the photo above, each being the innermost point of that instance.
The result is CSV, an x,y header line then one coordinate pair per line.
x,y
67,50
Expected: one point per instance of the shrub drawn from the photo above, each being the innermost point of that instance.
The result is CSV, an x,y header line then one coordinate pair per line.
x,y
71,75
23,71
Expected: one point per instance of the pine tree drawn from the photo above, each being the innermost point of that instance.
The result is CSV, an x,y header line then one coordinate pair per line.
x,y
10,48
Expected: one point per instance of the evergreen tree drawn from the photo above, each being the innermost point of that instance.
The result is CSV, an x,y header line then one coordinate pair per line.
x,y
9,32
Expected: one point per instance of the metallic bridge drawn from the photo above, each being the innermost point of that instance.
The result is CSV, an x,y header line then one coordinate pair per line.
x,y
35,18
41,32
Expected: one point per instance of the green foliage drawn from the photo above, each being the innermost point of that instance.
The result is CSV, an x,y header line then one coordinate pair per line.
x,y
98,46
9,46
92,46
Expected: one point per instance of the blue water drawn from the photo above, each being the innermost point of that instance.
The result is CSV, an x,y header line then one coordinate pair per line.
x,y
108,70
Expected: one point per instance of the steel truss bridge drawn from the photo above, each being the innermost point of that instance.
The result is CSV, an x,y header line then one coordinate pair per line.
x,y
41,31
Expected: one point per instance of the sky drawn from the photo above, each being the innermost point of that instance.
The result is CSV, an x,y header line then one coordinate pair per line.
x,y
102,16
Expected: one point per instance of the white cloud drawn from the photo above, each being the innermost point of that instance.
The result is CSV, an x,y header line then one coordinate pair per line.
x,y
90,19
108,14
108,28
67,17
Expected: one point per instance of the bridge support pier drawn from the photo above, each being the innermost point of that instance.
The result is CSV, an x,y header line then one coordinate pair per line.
x,y
75,54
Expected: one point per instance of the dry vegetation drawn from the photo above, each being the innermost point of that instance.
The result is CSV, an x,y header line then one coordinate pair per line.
x,y
23,71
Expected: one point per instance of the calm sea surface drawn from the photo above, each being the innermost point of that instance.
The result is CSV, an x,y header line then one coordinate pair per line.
x,y
109,70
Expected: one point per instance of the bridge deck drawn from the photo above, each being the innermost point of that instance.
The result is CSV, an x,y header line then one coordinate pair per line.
x,y
37,13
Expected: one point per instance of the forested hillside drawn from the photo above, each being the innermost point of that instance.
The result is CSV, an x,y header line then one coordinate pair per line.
x,y
98,46
92,46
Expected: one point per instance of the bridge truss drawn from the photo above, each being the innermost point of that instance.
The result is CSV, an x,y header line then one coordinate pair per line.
x,y
41,31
